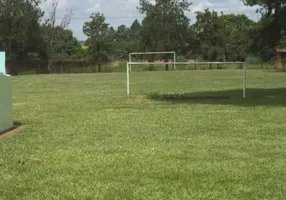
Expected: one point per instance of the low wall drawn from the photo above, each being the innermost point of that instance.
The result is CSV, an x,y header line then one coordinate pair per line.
x,y
6,113
6,116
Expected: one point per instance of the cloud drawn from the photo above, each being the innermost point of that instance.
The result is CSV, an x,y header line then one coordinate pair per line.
x,y
94,8
197,8
62,4
119,12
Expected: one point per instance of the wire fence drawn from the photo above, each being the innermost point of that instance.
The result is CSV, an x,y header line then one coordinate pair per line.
x,y
23,67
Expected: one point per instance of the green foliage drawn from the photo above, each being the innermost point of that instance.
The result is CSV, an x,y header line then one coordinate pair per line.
x,y
214,37
282,42
97,31
23,36
122,42
181,59
221,37
236,36
210,35
267,35
125,40
19,25
165,26
252,59
62,45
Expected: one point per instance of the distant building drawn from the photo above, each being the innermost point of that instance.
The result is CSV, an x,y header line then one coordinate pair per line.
x,y
280,52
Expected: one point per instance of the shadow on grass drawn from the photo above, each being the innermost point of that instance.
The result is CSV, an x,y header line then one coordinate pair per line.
x,y
275,70
11,131
281,70
255,97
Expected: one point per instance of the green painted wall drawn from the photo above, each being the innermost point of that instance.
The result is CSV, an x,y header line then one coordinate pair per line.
x,y
6,114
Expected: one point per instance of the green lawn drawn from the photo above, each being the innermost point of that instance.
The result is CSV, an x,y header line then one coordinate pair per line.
x,y
182,135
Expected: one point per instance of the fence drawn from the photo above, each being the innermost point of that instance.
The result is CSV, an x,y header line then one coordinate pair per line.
x,y
20,67
16,67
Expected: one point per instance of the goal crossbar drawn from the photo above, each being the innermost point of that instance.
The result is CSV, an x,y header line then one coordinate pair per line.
x,y
148,53
181,63
129,64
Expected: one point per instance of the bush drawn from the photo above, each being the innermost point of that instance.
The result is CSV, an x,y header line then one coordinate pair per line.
x,y
253,60
181,59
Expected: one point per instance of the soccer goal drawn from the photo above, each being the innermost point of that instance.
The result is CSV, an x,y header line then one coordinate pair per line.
x,y
243,64
154,53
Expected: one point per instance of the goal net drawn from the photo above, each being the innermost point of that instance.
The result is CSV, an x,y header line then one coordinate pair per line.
x,y
242,65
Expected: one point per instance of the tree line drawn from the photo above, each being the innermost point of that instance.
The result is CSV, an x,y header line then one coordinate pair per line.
x,y
213,37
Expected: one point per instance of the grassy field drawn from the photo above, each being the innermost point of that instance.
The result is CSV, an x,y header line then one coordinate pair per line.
x,y
182,135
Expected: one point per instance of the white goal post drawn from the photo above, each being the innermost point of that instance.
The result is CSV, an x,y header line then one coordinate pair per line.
x,y
155,53
129,64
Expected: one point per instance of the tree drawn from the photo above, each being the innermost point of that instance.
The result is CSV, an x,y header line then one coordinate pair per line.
x,y
97,31
54,35
192,44
68,48
122,33
237,30
165,26
122,42
19,25
268,7
210,34
268,32
126,40
282,42
135,29
221,37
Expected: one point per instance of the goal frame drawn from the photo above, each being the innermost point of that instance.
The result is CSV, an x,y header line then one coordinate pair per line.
x,y
155,53
129,64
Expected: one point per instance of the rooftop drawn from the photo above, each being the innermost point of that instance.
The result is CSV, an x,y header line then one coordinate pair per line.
x,y
281,50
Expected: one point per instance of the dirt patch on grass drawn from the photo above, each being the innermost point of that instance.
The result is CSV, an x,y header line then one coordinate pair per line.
x,y
15,130
139,99
114,64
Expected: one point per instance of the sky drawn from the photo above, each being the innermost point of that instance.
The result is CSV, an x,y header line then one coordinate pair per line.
x,y
118,12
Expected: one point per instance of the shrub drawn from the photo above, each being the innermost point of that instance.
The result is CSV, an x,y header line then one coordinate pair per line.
x,y
181,59
252,59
